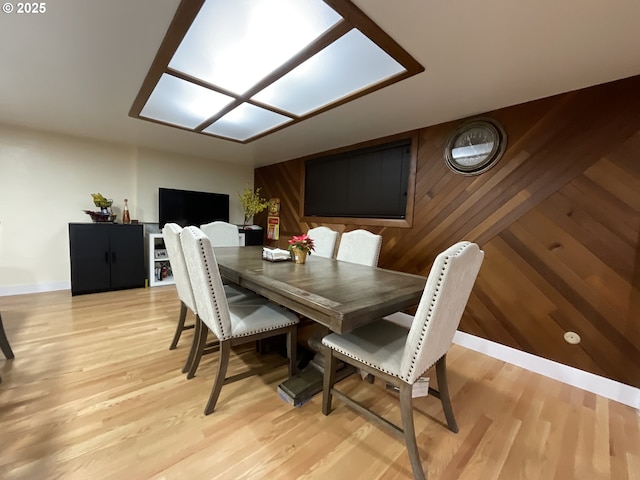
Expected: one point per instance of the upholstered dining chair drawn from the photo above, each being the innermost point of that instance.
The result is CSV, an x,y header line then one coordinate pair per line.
x,y
360,246
399,356
171,236
221,234
4,344
324,241
232,323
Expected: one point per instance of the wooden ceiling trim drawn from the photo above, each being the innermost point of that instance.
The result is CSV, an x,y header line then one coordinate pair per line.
x,y
353,17
185,14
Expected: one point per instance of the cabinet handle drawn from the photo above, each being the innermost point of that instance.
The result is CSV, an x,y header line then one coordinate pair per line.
x,y
106,257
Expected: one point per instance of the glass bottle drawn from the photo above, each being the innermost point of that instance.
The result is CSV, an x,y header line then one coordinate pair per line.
x,y
125,213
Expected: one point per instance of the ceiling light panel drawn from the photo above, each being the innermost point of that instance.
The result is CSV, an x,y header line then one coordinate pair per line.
x,y
235,44
273,63
246,121
351,63
182,103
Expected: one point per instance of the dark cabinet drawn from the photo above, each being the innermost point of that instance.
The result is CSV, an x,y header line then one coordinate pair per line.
x,y
106,256
252,237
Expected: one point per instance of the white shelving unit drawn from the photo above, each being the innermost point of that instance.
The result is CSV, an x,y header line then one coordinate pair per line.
x,y
158,259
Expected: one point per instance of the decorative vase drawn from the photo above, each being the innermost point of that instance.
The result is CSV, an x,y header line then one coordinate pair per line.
x,y
126,218
299,255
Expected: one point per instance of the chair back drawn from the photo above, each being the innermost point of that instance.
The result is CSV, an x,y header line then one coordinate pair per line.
x,y
221,234
443,301
206,282
324,241
171,236
360,246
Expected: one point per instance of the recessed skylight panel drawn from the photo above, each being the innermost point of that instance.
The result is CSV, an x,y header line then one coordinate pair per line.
x,y
295,58
235,44
246,121
351,63
182,103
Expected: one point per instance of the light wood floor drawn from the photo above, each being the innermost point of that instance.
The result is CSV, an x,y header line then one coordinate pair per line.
x,y
95,393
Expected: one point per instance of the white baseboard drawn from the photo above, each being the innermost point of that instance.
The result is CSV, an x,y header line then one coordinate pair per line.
x,y
35,288
590,382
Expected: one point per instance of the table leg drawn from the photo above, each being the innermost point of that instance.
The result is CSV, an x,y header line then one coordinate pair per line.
x,y
300,388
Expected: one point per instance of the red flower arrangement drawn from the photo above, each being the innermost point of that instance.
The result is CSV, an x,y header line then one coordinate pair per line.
x,y
302,242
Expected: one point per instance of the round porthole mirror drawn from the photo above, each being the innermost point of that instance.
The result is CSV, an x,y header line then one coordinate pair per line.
x,y
475,146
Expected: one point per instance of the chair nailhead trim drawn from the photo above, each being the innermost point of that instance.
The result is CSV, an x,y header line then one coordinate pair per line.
x,y
216,307
377,367
216,312
432,304
252,332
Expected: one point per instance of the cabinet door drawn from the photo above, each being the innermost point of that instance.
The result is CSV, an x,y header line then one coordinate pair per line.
x,y
90,259
126,256
253,237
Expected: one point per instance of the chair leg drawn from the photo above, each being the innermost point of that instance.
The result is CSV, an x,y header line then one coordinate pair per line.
x,y
328,379
223,363
406,411
4,342
197,355
194,345
292,346
443,388
180,326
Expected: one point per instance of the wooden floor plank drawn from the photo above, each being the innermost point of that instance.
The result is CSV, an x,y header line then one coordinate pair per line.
x,y
94,392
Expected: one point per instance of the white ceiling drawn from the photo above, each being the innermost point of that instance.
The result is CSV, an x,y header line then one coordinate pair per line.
x,y
77,68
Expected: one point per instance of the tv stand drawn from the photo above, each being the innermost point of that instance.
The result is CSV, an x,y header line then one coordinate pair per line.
x,y
157,256
158,259
250,236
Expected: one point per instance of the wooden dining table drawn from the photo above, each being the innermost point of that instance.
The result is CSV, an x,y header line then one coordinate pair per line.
x,y
338,295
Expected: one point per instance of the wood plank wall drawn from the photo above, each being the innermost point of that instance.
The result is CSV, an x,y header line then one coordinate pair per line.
x,y
558,218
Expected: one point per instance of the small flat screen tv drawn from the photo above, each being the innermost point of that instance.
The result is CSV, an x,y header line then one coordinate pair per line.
x,y
187,207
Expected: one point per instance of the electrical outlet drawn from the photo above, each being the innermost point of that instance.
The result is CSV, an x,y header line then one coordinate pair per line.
x,y
572,337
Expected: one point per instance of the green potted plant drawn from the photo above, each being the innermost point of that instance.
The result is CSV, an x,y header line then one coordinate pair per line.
x,y
252,203
104,204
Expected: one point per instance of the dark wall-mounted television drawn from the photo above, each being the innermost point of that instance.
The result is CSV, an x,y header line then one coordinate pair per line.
x,y
187,207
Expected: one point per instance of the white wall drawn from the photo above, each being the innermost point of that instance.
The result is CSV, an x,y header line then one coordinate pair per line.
x,y
46,181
